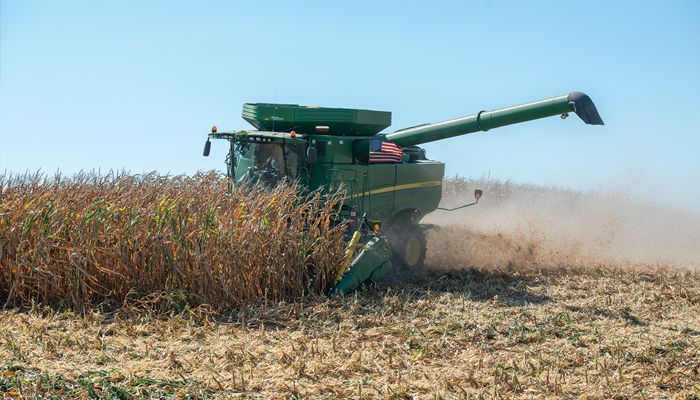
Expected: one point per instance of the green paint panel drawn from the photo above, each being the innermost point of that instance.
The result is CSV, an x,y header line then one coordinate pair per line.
x,y
382,179
420,186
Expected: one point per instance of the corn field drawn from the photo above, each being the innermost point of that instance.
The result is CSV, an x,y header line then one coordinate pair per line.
x,y
513,303
91,241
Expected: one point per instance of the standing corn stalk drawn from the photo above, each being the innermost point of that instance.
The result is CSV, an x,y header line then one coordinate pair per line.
x,y
92,240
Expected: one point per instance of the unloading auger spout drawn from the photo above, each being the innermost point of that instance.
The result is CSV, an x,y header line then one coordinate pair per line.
x,y
576,102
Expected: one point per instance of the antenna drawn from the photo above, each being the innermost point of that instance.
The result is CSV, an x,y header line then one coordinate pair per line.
x,y
274,115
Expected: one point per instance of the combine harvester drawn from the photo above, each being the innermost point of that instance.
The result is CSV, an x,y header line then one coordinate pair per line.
x,y
388,181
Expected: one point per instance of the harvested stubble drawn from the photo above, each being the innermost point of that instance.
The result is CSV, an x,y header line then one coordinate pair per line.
x,y
100,241
512,333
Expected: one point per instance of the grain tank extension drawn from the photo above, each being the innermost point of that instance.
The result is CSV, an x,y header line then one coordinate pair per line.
x,y
389,182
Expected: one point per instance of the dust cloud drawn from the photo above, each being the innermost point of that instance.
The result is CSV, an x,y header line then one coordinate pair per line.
x,y
517,224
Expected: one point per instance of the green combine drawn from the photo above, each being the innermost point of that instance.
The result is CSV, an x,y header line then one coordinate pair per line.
x,y
388,182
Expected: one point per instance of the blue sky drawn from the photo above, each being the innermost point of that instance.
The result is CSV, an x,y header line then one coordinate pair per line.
x,y
136,85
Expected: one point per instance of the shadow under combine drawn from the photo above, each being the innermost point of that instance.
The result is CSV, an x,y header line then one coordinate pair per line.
x,y
473,283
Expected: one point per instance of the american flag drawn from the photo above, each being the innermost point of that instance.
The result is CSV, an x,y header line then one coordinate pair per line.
x,y
384,152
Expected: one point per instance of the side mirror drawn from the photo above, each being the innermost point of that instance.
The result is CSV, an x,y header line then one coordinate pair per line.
x,y
207,148
477,196
311,155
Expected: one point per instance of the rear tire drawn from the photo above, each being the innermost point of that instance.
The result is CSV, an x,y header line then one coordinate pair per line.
x,y
408,245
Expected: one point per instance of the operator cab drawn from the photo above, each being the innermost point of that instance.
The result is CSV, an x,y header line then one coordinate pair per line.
x,y
269,163
263,157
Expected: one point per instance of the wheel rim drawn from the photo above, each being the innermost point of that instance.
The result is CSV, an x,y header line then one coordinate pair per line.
x,y
412,253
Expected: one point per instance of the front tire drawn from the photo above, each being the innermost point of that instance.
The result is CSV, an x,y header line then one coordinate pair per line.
x,y
408,246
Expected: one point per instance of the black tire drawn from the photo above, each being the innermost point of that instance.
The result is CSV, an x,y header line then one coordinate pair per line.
x,y
408,245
